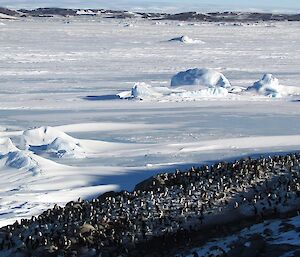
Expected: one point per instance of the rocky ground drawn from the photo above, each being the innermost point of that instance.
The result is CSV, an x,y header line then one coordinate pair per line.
x,y
186,16
173,213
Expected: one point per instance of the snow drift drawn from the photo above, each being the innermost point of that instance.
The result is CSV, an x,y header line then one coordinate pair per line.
x,y
53,141
21,160
200,77
12,157
6,146
212,92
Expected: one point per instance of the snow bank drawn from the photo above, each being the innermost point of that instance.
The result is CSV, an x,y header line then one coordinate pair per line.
x,y
21,160
185,40
212,92
200,77
12,157
66,148
53,141
6,146
44,135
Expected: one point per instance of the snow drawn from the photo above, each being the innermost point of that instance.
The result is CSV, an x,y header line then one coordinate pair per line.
x,y
143,91
44,135
62,147
204,93
275,236
201,77
53,141
8,17
62,81
6,146
20,160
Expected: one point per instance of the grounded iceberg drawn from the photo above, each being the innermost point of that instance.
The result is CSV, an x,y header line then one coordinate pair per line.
x,y
200,77
185,40
196,84
270,86
143,91
267,86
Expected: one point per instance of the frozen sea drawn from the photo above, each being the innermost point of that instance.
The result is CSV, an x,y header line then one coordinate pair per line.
x,y
65,73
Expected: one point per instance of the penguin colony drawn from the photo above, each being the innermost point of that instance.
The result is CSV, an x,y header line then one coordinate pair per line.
x,y
177,204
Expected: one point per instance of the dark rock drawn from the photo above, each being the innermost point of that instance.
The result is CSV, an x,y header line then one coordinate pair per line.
x,y
9,12
50,11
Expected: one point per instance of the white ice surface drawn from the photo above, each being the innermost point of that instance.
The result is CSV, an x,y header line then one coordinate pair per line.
x,y
66,76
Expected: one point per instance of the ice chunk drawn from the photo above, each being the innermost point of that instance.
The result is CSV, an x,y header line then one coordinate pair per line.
x,y
268,86
201,77
142,91
212,92
185,40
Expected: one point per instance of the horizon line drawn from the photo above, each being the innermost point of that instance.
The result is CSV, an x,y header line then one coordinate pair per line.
x,y
141,9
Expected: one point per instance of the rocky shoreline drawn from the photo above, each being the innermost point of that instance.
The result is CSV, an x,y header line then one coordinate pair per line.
x,y
166,214
186,16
